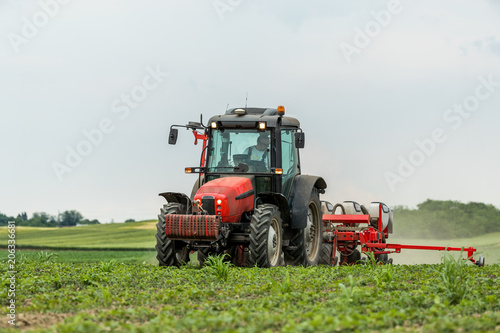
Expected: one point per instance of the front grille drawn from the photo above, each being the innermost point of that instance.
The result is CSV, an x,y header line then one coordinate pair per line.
x,y
208,204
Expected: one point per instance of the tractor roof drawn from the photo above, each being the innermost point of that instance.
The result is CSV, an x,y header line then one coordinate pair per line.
x,y
248,117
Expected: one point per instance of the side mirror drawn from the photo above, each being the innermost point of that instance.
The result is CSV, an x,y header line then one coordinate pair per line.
x,y
300,140
172,136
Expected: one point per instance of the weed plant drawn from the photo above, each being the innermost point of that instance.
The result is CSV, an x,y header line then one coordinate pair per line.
x,y
45,256
454,277
219,266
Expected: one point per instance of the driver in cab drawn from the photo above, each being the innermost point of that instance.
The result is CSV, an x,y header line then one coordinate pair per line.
x,y
258,154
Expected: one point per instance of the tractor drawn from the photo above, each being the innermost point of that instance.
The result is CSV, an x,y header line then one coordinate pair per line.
x,y
251,200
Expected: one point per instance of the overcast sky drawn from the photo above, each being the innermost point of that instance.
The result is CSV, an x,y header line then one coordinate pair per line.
x,y
400,101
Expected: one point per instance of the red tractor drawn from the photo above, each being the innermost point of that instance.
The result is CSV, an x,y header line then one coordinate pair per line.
x,y
250,200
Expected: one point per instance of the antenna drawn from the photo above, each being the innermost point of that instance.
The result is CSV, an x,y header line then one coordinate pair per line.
x,y
246,101
227,107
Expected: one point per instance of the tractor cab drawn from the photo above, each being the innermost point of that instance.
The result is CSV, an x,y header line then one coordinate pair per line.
x,y
255,142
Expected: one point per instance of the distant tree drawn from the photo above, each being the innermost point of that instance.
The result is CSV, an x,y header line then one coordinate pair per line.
x,y
87,221
41,219
22,217
4,219
446,219
129,220
70,218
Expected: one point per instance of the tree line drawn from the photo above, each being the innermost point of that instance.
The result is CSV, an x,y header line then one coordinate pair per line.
x,y
68,218
446,219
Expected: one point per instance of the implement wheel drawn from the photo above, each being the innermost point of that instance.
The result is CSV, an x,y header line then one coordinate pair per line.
x,y
306,243
266,237
353,258
170,252
325,257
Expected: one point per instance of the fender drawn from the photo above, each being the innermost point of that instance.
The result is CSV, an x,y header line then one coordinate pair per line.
x,y
300,195
177,197
278,200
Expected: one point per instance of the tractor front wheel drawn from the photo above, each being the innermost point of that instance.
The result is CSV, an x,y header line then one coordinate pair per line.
x,y
266,237
170,252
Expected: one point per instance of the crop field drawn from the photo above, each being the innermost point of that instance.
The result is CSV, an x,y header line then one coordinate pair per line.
x,y
111,296
91,281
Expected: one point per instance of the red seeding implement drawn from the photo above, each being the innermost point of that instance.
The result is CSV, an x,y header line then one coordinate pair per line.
x,y
252,202
369,229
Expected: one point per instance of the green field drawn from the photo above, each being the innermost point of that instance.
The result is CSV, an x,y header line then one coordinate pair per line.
x,y
115,297
136,235
115,286
80,256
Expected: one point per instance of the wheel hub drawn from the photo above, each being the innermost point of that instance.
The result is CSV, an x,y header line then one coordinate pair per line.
x,y
273,242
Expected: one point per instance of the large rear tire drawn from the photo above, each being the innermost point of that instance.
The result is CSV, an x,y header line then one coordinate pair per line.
x,y
306,243
266,237
170,252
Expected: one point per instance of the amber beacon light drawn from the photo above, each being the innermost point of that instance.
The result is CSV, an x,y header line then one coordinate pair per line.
x,y
281,110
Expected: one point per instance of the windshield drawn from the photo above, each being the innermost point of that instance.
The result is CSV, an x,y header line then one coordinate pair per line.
x,y
239,150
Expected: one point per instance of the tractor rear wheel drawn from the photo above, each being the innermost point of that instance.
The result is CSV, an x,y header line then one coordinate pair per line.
x,y
170,252
306,243
266,237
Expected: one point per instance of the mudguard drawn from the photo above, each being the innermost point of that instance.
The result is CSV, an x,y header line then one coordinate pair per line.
x,y
299,198
278,200
176,197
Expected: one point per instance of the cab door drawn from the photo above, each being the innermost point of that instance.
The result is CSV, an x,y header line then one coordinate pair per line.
x,y
289,160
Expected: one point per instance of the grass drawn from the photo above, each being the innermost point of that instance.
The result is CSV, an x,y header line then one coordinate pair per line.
x,y
117,297
136,235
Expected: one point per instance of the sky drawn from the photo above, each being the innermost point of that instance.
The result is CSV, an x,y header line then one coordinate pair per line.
x,y
399,100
